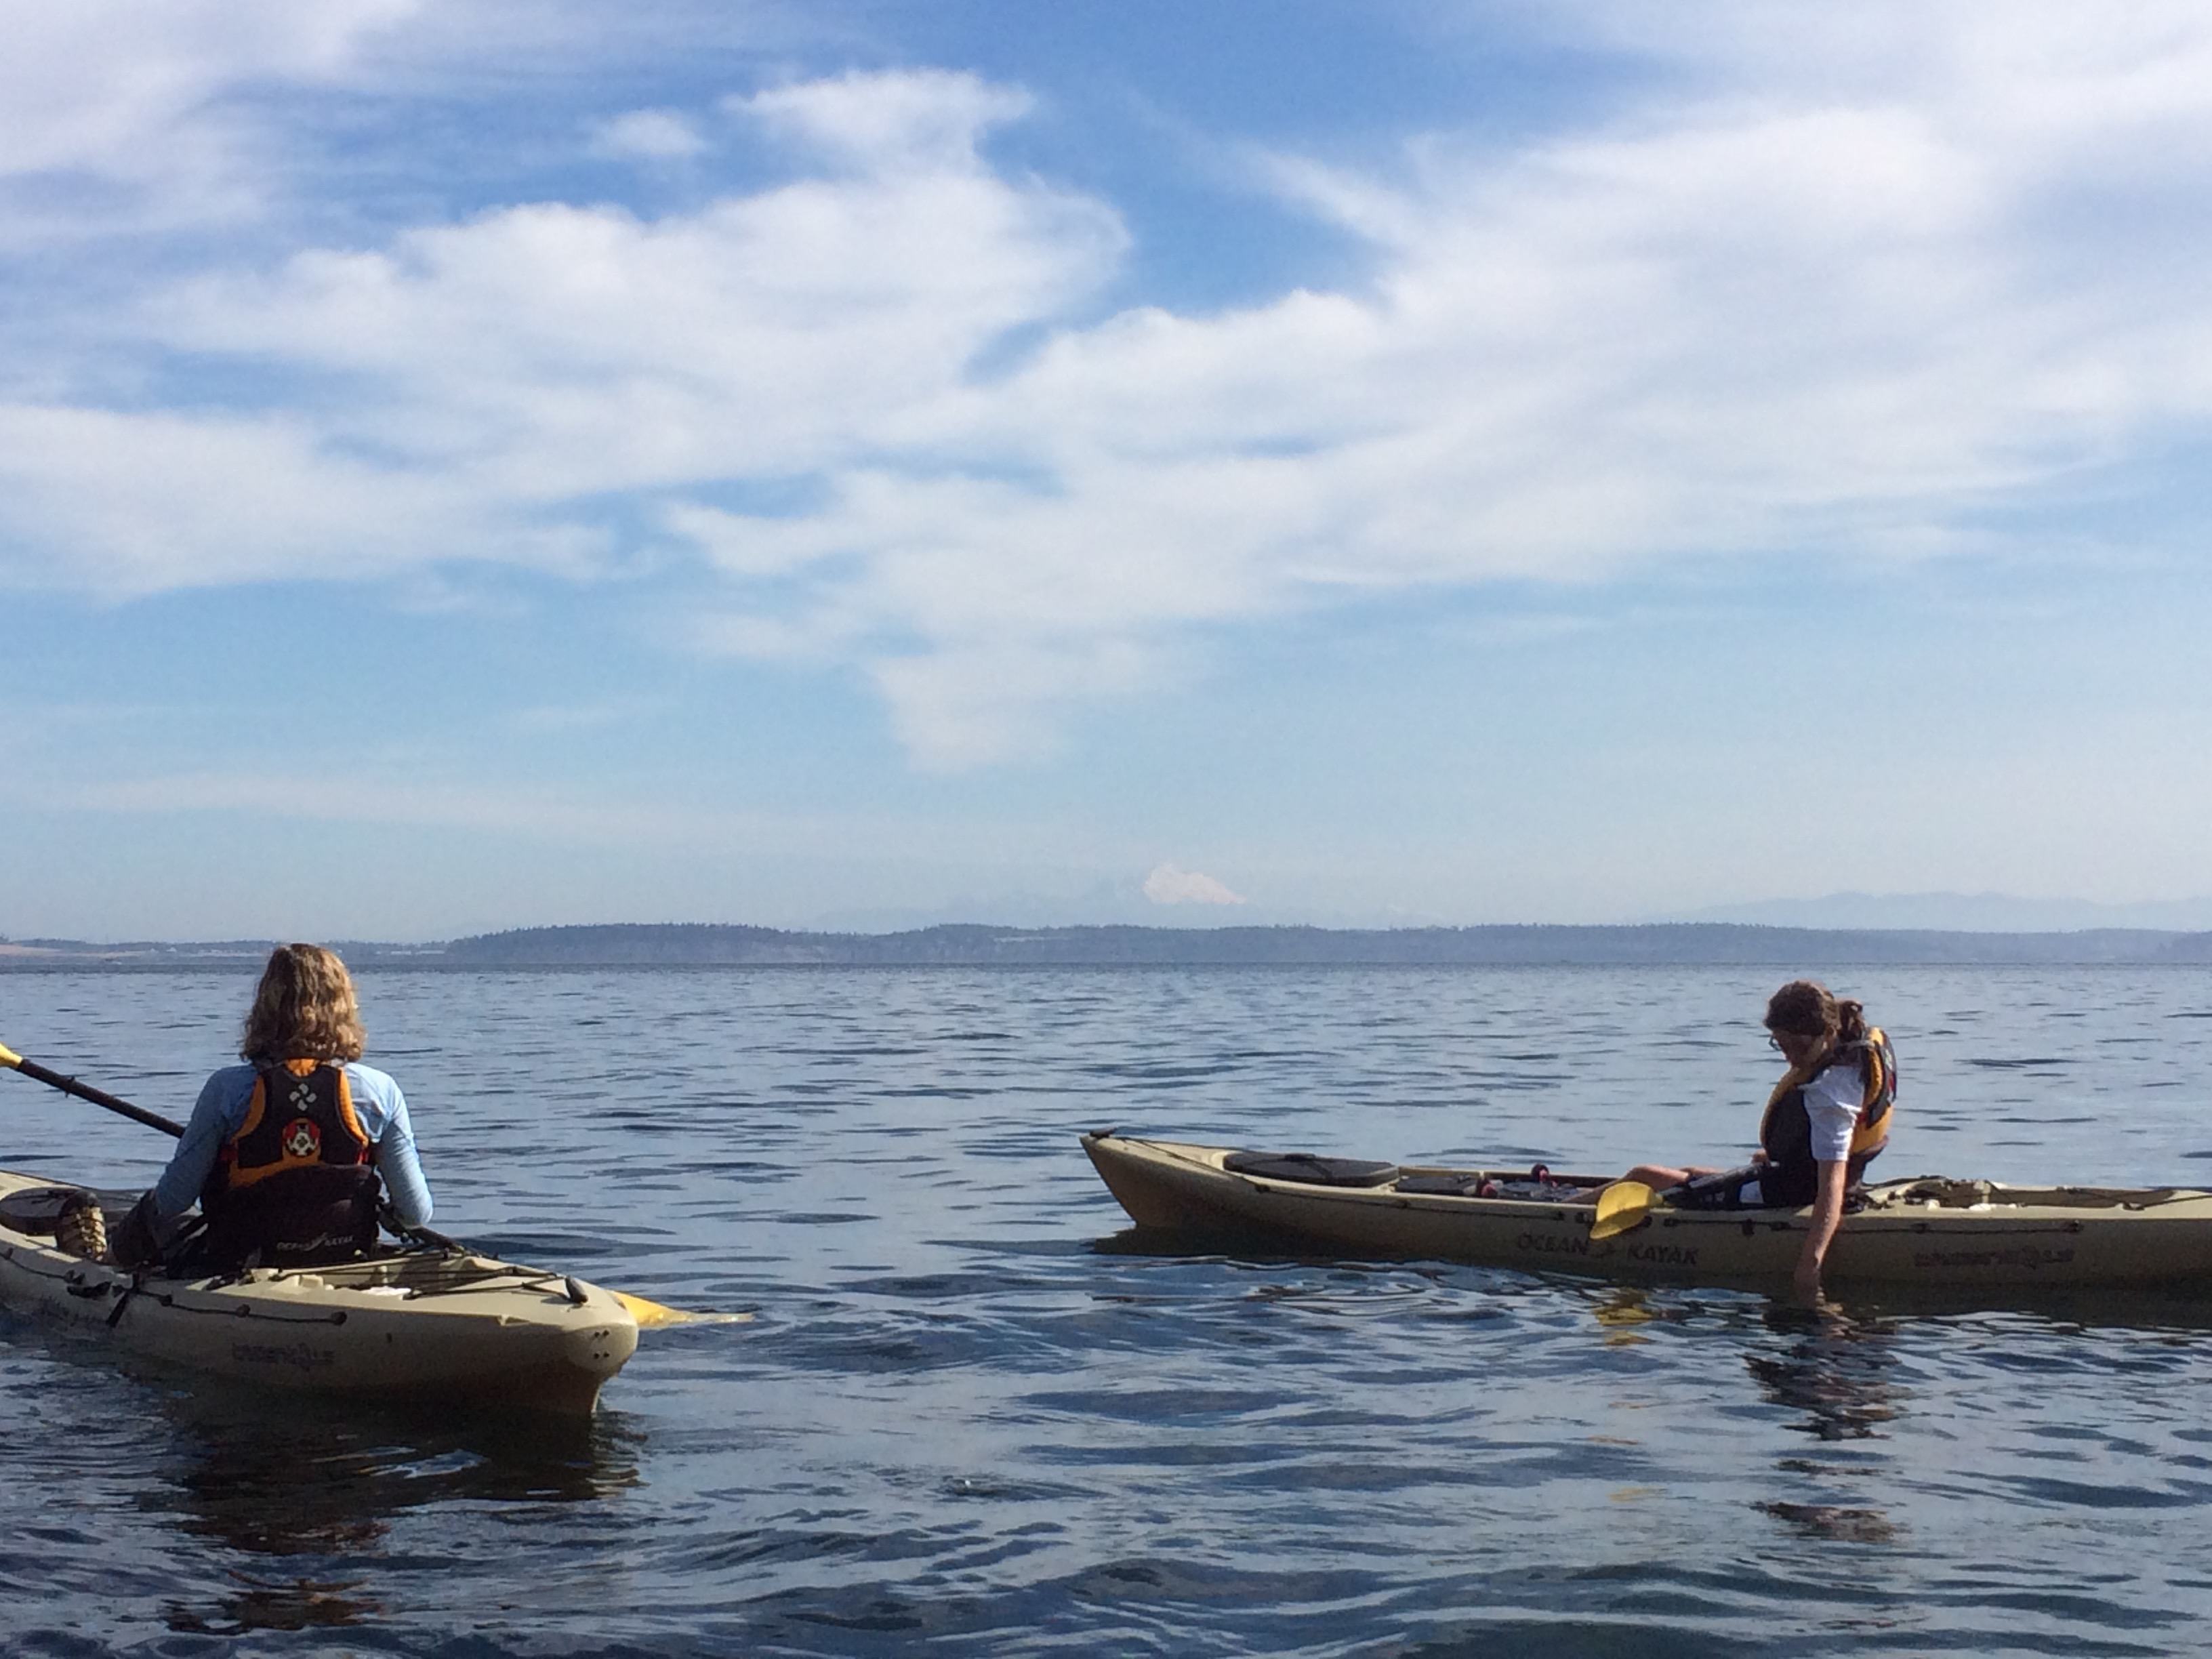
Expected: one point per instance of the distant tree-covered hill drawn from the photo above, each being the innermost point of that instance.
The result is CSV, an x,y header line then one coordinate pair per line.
x,y
702,944
708,945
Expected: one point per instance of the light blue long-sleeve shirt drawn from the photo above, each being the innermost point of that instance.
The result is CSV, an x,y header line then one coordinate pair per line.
x,y
220,1113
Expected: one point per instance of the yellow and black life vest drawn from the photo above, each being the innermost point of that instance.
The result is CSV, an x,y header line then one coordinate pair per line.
x,y
1791,1176
295,1185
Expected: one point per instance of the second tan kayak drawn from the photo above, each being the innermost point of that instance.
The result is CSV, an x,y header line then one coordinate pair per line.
x,y
1928,1231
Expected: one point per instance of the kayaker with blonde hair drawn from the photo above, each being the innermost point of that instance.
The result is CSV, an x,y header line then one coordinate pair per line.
x,y
1825,1121
289,1155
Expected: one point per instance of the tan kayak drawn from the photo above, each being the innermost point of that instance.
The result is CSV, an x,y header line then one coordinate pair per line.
x,y
447,1327
1927,1230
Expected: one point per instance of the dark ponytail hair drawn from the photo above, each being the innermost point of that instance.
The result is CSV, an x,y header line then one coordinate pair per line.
x,y
1804,1008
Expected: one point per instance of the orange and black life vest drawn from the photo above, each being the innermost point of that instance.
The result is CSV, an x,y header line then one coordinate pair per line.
x,y
1791,1176
301,1114
296,1184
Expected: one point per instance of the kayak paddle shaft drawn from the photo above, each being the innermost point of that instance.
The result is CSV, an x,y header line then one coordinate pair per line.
x,y
70,1085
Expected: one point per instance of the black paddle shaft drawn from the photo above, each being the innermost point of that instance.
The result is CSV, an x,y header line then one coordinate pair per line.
x,y
70,1085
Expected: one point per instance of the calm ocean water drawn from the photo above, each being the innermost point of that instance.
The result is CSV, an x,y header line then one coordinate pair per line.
x,y
973,1417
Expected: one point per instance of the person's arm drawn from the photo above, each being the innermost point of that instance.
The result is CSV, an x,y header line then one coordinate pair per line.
x,y
395,1160
1827,1216
141,1237
215,1119
1832,1101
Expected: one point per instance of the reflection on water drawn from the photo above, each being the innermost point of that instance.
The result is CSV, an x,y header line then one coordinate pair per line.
x,y
306,1494
1834,1521
1835,1369
298,1604
1620,1310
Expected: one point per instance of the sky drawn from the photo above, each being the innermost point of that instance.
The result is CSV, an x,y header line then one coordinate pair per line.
x,y
499,462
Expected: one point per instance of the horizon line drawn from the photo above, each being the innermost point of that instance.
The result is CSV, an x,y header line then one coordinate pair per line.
x,y
51,945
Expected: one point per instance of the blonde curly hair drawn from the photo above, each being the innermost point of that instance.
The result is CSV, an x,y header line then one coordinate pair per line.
x,y
304,1009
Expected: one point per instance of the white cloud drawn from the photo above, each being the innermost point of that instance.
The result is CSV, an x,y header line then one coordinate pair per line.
x,y
922,121
139,101
973,703
650,135
559,719
102,86
128,504
1871,274
549,351
448,395
538,815
1170,884
419,789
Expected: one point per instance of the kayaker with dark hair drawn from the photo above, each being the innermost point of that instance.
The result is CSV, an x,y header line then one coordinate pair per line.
x,y
283,1154
1827,1119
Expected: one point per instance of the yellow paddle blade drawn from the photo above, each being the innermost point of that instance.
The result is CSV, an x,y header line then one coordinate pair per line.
x,y
651,1316
1620,1206
9,1056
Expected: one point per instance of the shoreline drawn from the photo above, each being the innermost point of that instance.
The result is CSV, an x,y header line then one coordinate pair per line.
x,y
971,944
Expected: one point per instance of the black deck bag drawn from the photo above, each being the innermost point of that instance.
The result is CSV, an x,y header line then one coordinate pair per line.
x,y
1313,1171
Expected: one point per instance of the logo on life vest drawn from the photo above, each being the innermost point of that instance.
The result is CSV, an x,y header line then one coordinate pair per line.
x,y
302,1139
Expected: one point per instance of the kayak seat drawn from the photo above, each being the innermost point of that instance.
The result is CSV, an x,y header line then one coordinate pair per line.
x,y
1311,1170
